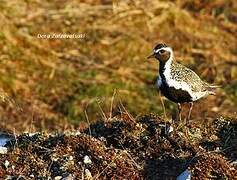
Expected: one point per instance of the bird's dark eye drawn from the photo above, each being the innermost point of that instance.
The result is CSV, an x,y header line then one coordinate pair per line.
x,y
161,51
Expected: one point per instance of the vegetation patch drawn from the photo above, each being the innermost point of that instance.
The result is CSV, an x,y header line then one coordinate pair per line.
x,y
146,148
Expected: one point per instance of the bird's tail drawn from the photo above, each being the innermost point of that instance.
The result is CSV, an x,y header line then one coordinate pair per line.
x,y
212,89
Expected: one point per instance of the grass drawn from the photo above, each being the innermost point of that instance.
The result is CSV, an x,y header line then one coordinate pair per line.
x,y
58,79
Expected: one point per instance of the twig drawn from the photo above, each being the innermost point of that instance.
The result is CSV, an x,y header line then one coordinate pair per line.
x,y
46,149
112,102
103,114
129,115
137,165
87,119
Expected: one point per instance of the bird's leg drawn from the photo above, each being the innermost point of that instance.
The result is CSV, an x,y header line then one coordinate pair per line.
x,y
163,105
189,112
180,111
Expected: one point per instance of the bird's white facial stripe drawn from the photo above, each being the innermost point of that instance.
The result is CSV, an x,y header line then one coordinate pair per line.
x,y
164,48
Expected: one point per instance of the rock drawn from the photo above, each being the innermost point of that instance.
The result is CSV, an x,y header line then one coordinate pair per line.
x,y
170,129
6,164
87,160
186,175
70,158
58,177
4,139
69,177
3,150
88,174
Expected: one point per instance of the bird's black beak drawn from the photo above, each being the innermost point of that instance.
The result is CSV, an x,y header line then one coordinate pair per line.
x,y
151,56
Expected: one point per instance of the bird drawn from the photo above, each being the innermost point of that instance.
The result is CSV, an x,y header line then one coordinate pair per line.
x,y
177,82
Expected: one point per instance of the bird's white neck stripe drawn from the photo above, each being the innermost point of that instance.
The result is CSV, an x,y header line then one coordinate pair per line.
x,y
167,67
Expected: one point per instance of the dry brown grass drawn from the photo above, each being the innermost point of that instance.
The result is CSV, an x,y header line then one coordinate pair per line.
x,y
56,80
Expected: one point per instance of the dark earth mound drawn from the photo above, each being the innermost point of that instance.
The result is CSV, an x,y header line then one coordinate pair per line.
x,y
124,148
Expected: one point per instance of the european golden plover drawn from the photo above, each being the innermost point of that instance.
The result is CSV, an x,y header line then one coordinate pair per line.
x,y
177,82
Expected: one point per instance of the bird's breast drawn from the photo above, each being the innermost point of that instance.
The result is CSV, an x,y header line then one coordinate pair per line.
x,y
174,94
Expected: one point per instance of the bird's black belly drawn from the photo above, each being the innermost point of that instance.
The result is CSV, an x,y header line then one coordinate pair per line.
x,y
175,95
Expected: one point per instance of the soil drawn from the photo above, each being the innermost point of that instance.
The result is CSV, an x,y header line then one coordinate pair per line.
x,y
125,148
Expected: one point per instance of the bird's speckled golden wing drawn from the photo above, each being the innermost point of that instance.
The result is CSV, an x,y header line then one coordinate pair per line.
x,y
183,74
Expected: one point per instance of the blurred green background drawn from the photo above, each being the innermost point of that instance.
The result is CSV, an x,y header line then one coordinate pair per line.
x,y
59,82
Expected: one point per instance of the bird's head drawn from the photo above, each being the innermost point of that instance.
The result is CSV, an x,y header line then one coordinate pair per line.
x,y
161,52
